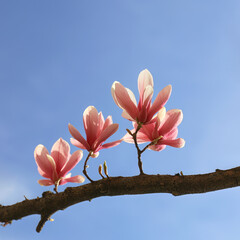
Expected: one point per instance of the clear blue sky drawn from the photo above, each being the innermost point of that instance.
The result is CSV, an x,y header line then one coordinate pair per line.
x,y
58,57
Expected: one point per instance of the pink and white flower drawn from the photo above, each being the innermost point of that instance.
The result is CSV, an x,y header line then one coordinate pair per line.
x,y
97,131
144,111
56,166
162,132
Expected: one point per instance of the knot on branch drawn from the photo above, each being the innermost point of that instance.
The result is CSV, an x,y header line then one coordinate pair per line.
x,y
47,194
103,188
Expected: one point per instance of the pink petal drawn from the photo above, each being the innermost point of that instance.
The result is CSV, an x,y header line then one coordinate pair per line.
x,y
60,153
148,130
75,179
141,137
172,134
72,162
77,135
101,123
147,96
144,79
128,138
161,115
130,93
109,131
43,174
127,116
153,120
157,147
142,116
172,120
178,143
54,176
108,122
111,144
160,101
68,175
40,155
158,122
132,96
125,101
146,102
90,121
114,95
45,182
76,143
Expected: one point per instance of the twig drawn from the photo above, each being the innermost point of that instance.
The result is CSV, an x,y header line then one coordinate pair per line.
x,y
150,144
145,148
44,219
85,167
139,152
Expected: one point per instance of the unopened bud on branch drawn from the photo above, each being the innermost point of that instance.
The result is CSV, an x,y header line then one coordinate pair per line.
x,y
105,168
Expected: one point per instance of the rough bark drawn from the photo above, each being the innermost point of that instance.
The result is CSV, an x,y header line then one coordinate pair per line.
x,y
177,185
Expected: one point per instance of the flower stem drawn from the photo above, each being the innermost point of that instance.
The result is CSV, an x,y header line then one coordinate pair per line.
x,y
56,185
85,167
56,188
145,148
134,135
151,143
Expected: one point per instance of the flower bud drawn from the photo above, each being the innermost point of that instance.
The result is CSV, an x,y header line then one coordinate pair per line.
x,y
100,169
105,168
129,132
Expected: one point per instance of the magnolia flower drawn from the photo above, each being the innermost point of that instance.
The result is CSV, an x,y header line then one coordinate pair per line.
x,y
97,131
55,166
160,133
144,111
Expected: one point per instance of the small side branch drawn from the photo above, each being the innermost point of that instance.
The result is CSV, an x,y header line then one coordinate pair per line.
x,y
86,166
139,152
43,220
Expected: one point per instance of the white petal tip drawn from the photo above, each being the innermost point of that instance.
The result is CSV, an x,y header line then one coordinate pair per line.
x,y
182,143
95,155
80,179
115,82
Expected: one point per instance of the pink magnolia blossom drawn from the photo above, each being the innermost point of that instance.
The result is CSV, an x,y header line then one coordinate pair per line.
x,y
55,166
144,111
162,132
97,131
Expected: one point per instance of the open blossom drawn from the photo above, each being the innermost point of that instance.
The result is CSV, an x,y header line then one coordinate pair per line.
x,y
55,166
144,111
97,131
162,132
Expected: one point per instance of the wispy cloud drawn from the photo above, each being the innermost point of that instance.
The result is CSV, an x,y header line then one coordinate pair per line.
x,y
12,191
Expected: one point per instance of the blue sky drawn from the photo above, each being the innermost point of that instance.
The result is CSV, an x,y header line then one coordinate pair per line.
x,y
58,57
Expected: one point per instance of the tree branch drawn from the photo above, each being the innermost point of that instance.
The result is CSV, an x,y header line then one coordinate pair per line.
x,y
177,185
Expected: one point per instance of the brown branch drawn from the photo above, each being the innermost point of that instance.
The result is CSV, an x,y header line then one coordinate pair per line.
x,y
177,185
